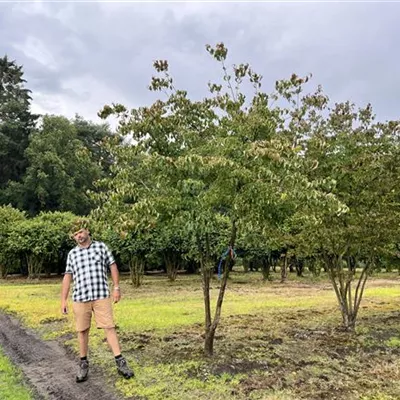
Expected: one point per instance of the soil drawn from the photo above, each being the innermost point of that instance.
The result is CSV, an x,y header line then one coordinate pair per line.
x,y
48,368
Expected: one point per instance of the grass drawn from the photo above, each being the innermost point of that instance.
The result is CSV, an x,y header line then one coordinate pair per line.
x,y
11,384
393,342
275,341
157,306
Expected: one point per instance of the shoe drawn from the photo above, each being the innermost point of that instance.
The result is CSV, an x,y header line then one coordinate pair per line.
x,y
123,368
83,371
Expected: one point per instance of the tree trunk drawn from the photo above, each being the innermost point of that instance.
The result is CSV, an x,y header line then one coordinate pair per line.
x,y
291,264
299,267
341,280
211,325
3,271
266,270
284,268
171,264
209,342
209,334
136,267
246,264
35,264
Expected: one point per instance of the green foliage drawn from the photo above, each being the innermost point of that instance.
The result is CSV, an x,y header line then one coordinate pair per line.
x,y
9,218
61,170
356,160
16,121
41,239
94,137
209,170
194,163
132,248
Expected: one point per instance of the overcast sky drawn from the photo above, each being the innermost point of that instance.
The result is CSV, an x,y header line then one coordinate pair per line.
x,y
79,56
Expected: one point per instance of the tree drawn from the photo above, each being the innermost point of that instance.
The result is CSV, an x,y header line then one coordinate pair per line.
x,y
363,158
16,122
94,137
171,244
260,250
132,248
41,239
9,217
356,160
224,161
60,173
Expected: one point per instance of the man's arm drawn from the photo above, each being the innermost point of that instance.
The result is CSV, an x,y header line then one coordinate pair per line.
x,y
66,283
116,292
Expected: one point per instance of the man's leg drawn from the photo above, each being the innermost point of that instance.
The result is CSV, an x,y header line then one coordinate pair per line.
x,y
83,314
122,365
104,319
83,339
112,340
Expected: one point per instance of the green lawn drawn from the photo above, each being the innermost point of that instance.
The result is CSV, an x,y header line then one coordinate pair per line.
x,y
11,385
275,341
162,306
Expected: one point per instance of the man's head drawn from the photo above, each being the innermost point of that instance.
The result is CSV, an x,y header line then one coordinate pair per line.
x,y
80,231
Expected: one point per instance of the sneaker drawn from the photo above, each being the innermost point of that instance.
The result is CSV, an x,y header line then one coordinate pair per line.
x,y
123,368
83,371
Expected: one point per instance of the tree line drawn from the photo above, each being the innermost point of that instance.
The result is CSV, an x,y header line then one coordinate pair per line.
x,y
48,163
283,177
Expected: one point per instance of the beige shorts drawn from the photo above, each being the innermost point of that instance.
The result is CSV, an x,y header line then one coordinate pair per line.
x,y
102,310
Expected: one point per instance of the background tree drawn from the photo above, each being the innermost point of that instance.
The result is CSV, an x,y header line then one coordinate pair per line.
x,y
94,137
41,240
170,243
9,218
16,122
60,173
356,160
133,249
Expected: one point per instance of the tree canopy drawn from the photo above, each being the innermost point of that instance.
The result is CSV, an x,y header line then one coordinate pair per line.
x,y
16,121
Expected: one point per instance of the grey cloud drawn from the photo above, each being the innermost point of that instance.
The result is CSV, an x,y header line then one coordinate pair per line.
x,y
349,48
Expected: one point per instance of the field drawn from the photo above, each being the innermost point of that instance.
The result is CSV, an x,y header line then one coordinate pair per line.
x,y
275,341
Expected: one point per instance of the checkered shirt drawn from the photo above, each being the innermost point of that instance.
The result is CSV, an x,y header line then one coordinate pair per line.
x,y
89,267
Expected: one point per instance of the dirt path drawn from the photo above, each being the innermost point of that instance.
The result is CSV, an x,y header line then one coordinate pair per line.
x,y
49,370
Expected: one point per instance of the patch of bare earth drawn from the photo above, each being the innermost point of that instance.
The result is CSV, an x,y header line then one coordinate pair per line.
x,y
285,351
47,367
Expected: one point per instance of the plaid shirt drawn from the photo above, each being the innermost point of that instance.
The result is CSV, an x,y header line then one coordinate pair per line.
x,y
89,267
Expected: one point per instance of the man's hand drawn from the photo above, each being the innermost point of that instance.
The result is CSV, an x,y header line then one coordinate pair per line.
x,y
64,308
116,294
64,293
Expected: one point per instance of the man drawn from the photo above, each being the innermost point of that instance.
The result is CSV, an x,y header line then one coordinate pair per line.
x,y
87,267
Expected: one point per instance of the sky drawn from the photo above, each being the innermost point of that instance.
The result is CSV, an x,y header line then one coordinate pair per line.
x,y
79,56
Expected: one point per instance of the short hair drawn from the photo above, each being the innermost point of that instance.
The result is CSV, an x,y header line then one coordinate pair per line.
x,y
78,224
